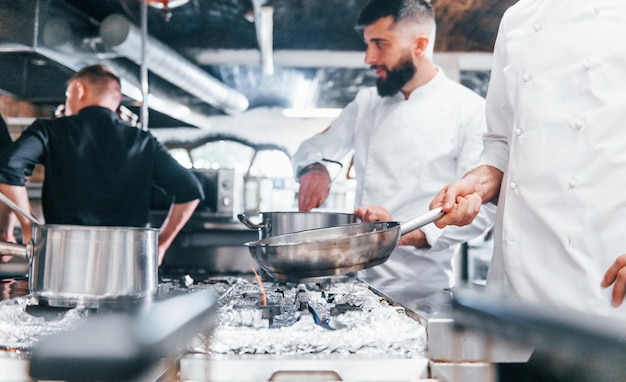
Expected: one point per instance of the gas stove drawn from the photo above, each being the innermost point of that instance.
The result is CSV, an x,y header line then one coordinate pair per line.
x,y
340,328
332,328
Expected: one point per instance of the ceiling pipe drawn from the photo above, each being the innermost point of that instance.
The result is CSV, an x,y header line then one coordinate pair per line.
x,y
121,36
60,33
264,25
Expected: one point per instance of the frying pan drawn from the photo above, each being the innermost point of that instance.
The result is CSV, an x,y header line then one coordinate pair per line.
x,y
332,251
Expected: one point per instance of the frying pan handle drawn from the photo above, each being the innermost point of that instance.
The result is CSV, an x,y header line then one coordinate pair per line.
x,y
420,221
249,223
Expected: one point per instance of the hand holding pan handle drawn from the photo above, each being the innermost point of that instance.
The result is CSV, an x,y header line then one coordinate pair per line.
x,y
420,221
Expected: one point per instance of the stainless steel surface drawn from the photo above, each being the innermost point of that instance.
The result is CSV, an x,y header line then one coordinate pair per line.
x,y
14,370
123,37
121,346
572,345
13,249
420,221
91,266
434,308
325,251
194,368
332,251
463,372
16,267
279,223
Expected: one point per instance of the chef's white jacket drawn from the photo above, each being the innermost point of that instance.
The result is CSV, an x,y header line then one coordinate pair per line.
x,y
405,151
555,107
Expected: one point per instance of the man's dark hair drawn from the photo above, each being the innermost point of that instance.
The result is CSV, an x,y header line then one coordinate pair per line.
x,y
417,10
96,74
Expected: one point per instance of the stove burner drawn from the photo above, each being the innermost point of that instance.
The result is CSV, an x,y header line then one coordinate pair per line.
x,y
313,319
48,313
268,311
343,308
320,319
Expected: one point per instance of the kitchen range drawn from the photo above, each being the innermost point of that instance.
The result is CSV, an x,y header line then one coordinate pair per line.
x,y
334,328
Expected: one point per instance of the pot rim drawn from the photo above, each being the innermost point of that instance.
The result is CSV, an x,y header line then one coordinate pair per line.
x,y
77,227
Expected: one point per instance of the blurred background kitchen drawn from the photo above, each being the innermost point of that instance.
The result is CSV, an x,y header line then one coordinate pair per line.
x,y
232,88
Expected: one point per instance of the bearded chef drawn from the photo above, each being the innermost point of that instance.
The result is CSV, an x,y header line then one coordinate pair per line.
x,y
555,157
411,134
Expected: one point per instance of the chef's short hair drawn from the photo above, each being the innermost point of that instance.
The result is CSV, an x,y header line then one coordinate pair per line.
x,y
97,75
420,11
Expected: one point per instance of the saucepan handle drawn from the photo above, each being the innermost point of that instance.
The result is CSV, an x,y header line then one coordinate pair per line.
x,y
420,221
13,249
249,223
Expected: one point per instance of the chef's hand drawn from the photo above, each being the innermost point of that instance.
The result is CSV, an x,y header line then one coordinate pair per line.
x,y
161,253
616,276
377,213
314,188
7,224
460,203
461,200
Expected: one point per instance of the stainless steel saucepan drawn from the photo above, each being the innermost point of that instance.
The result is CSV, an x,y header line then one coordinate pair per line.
x,y
88,266
332,251
279,223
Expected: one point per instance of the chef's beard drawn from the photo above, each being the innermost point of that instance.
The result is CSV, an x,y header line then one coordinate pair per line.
x,y
396,78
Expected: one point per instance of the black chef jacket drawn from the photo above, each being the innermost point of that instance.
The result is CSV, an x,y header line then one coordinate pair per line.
x,y
98,170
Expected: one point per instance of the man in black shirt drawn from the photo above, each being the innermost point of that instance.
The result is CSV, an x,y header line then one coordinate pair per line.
x,y
98,170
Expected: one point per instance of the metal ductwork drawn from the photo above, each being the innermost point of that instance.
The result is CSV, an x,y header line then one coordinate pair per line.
x,y
119,34
264,24
58,32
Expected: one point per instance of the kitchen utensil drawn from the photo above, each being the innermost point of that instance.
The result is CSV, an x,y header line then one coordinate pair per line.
x,y
90,266
334,250
278,223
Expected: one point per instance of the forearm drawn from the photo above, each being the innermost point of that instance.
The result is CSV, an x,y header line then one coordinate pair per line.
x,y
19,196
415,239
176,219
487,181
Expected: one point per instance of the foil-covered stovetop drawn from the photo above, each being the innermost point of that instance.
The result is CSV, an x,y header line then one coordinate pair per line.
x,y
326,318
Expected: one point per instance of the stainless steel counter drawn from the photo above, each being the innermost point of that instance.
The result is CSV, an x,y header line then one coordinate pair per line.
x,y
455,355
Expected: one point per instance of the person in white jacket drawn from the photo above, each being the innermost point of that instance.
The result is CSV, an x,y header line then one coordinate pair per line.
x,y
555,157
411,134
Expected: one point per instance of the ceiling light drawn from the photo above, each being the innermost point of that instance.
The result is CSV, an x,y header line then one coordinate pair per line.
x,y
166,4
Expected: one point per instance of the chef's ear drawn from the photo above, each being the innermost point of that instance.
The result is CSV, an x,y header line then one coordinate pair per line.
x,y
81,90
420,46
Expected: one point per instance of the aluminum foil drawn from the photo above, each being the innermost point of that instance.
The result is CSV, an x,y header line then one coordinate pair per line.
x,y
19,330
377,328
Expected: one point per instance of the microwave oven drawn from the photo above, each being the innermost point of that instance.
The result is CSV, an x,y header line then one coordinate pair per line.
x,y
223,193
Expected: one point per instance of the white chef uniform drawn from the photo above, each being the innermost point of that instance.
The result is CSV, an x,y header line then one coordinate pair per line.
x,y
405,151
555,107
